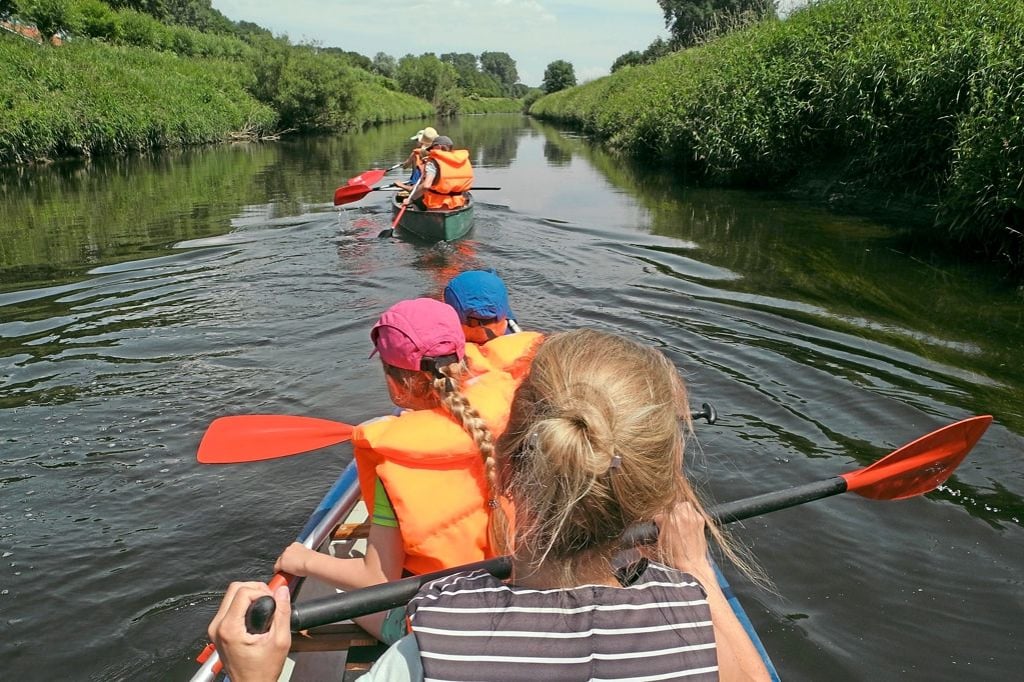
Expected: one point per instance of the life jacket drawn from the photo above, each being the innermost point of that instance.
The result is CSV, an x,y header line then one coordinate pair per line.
x,y
454,176
512,353
434,475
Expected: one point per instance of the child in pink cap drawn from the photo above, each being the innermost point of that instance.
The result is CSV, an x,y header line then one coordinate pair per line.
x,y
423,473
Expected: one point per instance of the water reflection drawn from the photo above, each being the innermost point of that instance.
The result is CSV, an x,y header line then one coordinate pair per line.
x,y
842,273
140,298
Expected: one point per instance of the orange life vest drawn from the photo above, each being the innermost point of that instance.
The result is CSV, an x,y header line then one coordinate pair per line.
x,y
454,176
434,475
511,353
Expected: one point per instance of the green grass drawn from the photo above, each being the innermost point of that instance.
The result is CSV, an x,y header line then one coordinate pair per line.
x,y
89,97
926,96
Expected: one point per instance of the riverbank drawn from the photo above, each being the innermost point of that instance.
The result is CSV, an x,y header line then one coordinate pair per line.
x,y
920,100
89,97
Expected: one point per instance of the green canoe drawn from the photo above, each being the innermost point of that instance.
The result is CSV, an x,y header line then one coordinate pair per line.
x,y
435,226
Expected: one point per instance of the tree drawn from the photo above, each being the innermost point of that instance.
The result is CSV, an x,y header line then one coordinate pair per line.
x,y
501,66
658,48
426,77
689,21
470,78
558,76
7,8
631,58
464,62
520,90
384,64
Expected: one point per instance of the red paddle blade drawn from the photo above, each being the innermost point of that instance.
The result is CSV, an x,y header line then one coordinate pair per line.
x,y
920,466
346,194
255,437
370,177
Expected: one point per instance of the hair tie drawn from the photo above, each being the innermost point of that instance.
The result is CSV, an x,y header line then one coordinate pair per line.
x,y
615,464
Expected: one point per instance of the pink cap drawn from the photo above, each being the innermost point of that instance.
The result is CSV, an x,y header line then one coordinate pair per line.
x,y
412,330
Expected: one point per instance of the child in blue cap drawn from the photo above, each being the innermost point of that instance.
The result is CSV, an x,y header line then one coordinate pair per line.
x,y
481,300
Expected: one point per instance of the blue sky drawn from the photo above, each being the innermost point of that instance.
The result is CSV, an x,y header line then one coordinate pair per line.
x,y
589,34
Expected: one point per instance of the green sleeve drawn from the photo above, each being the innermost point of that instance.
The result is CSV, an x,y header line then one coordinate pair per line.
x,y
383,512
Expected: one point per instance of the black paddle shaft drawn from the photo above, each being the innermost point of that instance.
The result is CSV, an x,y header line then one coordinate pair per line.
x,y
398,593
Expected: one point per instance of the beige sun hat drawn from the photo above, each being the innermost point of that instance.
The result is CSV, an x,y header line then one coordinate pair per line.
x,y
428,134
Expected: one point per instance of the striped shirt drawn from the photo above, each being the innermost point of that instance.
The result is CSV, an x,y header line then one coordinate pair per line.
x,y
472,626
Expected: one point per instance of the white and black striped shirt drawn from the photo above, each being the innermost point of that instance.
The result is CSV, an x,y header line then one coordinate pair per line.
x,y
474,627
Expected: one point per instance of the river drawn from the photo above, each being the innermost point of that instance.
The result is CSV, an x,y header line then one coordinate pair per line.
x,y
140,298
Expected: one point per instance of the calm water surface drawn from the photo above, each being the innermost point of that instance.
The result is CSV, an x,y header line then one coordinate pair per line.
x,y
142,298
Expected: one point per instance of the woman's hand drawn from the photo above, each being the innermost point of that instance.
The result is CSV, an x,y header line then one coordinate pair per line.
x,y
251,657
294,560
681,537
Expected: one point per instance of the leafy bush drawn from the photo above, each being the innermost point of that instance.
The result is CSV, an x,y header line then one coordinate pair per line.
x,y
90,98
140,30
95,19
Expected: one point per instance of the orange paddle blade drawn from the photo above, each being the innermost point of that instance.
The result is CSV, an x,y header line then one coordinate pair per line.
x,y
919,466
346,194
255,437
370,177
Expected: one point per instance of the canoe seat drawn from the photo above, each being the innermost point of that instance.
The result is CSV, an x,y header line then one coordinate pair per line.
x,y
352,531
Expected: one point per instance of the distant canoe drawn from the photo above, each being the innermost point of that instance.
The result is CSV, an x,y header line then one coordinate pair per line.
x,y
435,226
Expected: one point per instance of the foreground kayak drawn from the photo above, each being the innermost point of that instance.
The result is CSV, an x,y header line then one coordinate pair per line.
x,y
911,470
343,651
435,226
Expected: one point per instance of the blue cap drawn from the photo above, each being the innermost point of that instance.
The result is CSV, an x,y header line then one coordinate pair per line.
x,y
478,294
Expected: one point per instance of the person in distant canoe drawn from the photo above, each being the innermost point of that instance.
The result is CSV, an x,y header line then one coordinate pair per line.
x,y
447,176
424,138
592,448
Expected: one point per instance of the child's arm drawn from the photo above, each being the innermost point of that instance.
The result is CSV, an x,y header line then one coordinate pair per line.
x,y
382,563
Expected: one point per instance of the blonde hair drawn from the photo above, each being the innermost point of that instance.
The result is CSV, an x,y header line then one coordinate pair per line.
x,y
443,388
593,446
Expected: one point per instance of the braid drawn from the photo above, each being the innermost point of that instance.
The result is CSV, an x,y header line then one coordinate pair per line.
x,y
447,387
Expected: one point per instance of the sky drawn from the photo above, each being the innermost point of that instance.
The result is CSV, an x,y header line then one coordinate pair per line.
x,y
589,34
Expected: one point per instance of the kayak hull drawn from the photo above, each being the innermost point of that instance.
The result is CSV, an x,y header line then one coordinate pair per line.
x,y
435,226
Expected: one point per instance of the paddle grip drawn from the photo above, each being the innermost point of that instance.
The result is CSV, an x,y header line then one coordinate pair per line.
x,y
259,615
707,412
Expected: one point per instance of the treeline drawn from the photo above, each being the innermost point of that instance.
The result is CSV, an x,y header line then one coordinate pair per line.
x,y
456,82
923,97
